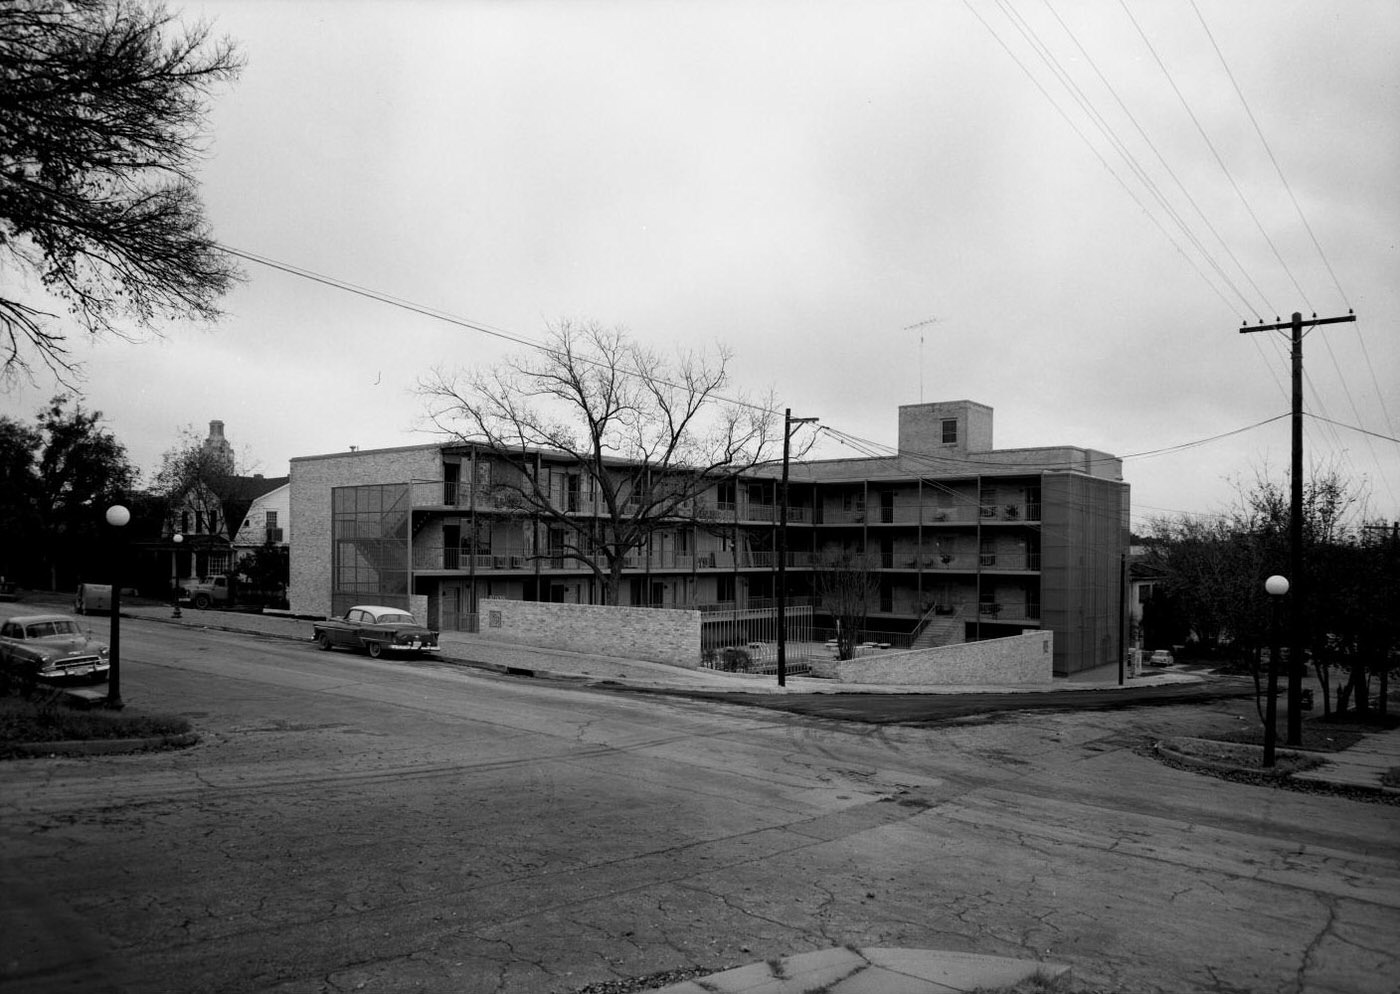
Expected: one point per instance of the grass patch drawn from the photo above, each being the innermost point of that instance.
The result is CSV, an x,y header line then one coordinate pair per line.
x,y
27,721
1243,756
1317,737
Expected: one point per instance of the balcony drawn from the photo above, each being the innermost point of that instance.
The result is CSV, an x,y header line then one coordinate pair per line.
x,y
435,557
442,493
1010,613
1010,512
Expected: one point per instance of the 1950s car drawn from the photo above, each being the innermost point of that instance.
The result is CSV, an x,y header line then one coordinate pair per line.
x,y
376,630
52,648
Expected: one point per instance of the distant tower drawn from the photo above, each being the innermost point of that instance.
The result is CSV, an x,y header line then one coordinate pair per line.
x,y
218,447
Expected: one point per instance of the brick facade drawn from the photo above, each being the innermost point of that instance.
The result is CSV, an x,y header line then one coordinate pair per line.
x,y
312,480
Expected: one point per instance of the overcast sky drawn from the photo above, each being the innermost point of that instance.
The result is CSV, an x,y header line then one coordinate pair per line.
x,y
804,182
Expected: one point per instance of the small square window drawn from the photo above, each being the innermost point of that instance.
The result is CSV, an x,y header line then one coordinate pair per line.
x,y
950,430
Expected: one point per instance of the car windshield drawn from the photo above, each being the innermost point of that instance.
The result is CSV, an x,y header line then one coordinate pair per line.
x,y
396,619
43,629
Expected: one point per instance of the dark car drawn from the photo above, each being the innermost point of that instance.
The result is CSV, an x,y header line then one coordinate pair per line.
x,y
52,648
377,630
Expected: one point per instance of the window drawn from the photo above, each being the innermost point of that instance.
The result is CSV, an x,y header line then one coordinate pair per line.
x,y
272,519
950,430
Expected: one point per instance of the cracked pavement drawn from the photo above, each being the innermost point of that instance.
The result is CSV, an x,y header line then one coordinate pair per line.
x,y
356,825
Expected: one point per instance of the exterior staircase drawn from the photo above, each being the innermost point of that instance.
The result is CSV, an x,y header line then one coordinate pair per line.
x,y
938,629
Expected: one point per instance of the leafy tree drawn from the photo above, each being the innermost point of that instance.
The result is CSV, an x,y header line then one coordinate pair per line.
x,y
101,105
1216,568
266,571
645,436
19,489
82,470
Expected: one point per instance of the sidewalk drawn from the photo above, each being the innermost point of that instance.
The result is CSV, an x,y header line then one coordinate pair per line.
x,y
510,657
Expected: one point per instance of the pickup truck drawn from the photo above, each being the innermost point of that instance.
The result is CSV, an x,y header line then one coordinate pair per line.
x,y
375,630
203,594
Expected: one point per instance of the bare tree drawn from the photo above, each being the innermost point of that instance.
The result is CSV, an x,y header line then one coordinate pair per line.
x,y
101,103
198,479
846,589
646,436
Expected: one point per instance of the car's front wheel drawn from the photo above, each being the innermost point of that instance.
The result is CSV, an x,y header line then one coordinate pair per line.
x,y
202,601
376,649
324,641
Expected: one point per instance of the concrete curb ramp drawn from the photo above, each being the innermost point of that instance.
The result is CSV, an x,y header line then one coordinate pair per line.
x,y
870,971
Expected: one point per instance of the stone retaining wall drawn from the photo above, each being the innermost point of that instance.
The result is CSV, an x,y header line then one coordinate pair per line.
x,y
658,635
1015,661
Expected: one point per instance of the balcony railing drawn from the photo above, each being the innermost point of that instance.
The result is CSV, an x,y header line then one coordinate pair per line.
x,y
439,558
1008,612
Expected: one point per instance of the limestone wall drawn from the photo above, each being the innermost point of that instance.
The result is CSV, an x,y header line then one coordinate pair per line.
x,y
655,634
1015,661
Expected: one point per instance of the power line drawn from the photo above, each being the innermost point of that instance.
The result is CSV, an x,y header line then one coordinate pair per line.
x,y
1272,158
1111,171
408,305
1214,152
1161,159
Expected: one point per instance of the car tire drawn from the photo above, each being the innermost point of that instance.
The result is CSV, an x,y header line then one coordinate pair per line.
x,y
324,641
202,601
376,649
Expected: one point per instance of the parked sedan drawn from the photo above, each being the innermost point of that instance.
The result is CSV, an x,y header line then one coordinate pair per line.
x,y
51,648
377,630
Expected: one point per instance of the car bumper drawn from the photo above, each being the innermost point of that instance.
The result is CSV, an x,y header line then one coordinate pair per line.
x,y
409,647
81,673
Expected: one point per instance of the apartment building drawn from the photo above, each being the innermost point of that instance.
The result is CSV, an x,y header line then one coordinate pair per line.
x,y
964,541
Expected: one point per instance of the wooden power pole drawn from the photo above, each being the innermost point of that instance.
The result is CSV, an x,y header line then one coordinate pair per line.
x,y
1297,591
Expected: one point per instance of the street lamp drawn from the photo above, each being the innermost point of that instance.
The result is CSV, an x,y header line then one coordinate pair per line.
x,y
177,538
117,517
1276,586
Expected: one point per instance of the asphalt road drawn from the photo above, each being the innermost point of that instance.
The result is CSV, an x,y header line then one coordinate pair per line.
x,y
358,825
906,709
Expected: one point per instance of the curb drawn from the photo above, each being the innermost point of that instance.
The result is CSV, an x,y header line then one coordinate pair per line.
x,y
1185,750
103,747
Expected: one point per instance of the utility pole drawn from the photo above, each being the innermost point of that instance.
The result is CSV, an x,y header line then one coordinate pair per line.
x,y
788,422
1297,589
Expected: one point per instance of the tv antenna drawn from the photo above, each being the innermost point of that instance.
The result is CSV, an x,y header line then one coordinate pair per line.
x,y
921,325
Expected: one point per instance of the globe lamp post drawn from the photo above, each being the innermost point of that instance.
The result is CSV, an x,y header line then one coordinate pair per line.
x,y
118,517
1275,586
177,538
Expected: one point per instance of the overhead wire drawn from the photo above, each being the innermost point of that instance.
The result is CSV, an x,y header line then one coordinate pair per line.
x,y
1317,245
387,298
1151,216
1056,68
1215,153
1121,147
